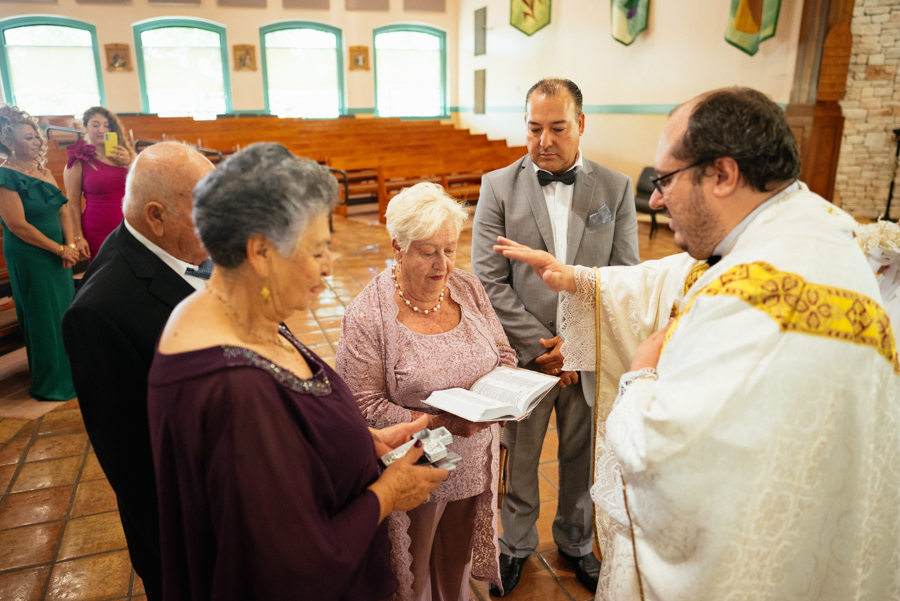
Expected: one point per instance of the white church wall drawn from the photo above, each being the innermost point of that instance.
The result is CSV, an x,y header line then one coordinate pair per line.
x,y
628,90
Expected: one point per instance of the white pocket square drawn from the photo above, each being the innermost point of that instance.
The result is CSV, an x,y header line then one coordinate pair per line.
x,y
600,217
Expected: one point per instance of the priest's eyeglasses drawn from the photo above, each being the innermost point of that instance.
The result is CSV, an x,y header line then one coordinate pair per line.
x,y
659,182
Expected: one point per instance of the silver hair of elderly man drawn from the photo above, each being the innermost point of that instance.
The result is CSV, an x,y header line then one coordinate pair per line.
x,y
260,190
420,211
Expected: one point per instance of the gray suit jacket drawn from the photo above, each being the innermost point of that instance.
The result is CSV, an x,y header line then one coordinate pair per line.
x,y
512,205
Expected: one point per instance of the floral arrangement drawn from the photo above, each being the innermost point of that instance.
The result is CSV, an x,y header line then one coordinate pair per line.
x,y
881,234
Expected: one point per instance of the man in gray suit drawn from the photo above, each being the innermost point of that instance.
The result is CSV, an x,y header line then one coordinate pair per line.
x,y
555,200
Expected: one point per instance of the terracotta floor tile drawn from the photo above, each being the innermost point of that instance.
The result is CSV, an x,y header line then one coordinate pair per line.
x,y
29,546
11,452
92,497
550,448
536,584
545,526
73,404
93,534
139,598
548,492
563,571
9,427
137,585
92,469
551,472
330,323
94,578
6,474
61,421
24,585
311,339
24,508
47,474
55,447
326,312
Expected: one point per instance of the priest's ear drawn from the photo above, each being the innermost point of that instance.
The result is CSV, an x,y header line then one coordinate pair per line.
x,y
727,177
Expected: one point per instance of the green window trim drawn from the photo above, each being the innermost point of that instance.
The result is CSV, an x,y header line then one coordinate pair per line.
x,y
30,20
339,45
418,28
188,23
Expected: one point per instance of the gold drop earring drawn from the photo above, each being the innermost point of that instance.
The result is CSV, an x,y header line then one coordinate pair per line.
x,y
265,294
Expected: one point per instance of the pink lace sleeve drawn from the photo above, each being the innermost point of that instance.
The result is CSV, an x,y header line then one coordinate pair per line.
x,y
578,329
360,362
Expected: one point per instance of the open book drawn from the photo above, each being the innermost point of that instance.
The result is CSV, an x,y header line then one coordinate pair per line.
x,y
506,393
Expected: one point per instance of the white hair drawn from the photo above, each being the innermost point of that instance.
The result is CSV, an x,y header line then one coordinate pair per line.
x,y
418,212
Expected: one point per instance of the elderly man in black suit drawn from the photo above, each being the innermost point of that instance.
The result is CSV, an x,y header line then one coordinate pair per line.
x,y
146,267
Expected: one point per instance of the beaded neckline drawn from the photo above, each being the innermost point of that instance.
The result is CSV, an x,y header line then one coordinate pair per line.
x,y
319,385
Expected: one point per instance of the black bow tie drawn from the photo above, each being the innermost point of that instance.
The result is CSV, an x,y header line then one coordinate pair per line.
x,y
567,178
712,260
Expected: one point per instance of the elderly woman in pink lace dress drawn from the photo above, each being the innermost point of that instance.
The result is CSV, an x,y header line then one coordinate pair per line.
x,y
421,326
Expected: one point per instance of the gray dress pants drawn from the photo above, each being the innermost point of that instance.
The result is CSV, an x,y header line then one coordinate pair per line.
x,y
572,528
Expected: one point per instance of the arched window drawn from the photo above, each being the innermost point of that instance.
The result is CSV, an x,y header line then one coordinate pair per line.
x,y
410,71
303,65
50,65
183,67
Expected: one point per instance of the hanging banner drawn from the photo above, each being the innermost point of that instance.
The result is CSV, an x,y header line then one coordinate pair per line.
x,y
751,23
528,16
628,18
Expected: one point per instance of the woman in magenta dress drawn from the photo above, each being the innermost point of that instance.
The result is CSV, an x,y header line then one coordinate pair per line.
x,y
97,177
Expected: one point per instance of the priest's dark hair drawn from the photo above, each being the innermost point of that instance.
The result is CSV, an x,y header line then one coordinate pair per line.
x,y
552,86
262,189
747,126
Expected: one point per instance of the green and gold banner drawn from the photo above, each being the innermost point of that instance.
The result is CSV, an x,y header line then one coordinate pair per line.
x,y
628,18
528,16
751,23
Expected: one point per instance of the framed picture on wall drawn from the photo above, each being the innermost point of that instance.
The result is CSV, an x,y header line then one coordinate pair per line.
x,y
118,57
244,57
359,58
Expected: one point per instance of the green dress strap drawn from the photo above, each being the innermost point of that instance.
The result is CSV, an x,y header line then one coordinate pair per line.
x,y
33,188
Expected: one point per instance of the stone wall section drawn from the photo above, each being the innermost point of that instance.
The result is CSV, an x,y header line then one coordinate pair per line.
x,y
871,110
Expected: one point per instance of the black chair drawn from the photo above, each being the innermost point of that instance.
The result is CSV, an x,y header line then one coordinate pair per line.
x,y
642,197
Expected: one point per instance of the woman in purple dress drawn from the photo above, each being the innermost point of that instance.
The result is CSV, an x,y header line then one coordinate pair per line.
x,y
97,177
418,327
267,475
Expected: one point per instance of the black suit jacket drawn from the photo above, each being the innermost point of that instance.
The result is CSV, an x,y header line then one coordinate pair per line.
x,y
110,334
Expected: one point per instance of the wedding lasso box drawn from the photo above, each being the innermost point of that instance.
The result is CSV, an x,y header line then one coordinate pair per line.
x,y
434,449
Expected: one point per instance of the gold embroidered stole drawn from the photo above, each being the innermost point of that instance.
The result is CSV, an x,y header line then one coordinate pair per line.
x,y
800,306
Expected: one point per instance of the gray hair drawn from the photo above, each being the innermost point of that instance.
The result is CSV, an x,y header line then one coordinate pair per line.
x,y
261,190
418,212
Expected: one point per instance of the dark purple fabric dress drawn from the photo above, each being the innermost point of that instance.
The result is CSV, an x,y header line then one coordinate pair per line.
x,y
263,481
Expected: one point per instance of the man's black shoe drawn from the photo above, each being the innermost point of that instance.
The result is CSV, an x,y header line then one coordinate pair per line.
x,y
510,572
587,569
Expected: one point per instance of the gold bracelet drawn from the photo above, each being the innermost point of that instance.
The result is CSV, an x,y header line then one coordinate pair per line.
x,y
62,249
78,238
72,246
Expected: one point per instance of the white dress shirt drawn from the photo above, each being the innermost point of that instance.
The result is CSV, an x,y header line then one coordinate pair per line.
x,y
177,265
558,197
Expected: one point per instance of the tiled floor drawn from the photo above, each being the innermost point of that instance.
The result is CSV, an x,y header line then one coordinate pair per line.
x,y
60,535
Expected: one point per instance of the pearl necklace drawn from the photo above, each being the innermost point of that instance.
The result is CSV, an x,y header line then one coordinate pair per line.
x,y
276,340
408,304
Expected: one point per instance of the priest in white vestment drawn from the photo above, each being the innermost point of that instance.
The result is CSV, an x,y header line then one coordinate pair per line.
x,y
748,400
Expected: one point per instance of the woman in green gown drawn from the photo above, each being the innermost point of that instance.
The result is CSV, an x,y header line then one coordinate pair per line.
x,y
39,248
